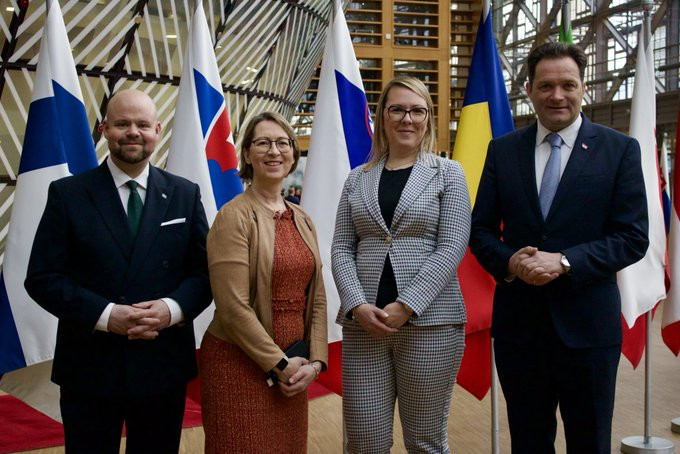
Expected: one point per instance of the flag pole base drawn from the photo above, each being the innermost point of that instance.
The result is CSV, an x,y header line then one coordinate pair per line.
x,y
675,425
637,445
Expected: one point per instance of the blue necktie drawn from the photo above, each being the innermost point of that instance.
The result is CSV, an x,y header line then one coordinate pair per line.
x,y
134,208
551,175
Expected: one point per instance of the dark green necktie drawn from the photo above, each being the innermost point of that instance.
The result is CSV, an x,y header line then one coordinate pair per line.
x,y
134,207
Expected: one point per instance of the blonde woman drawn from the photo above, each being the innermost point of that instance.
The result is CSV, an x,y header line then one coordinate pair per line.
x,y
401,230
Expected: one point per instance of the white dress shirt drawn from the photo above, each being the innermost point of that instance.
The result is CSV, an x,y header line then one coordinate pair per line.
x,y
542,153
120,179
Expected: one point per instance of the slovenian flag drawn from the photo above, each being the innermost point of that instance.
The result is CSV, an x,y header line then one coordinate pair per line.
x,y
57,143
486,114
341,139
642,284
202,145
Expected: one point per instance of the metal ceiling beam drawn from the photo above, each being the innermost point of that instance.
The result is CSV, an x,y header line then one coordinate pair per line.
x,y
11,44
119,68
628,67
541,36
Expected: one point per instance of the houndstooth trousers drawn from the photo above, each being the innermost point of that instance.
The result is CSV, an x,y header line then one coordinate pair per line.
x,y
417,367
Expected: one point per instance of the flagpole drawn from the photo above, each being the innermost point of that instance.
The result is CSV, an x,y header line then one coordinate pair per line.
x,y
495,445
647,443
565,27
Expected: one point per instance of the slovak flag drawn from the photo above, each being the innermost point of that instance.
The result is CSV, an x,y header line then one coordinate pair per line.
x,y
57,143
202,145
341,139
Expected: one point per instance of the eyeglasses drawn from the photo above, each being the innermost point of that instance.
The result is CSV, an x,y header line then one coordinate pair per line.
x,y
263,145
397,113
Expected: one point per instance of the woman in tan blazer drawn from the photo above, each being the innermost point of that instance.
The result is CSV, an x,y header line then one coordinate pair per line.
x,y
265,273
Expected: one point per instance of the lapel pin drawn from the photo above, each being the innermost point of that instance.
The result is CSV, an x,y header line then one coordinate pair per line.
x,y
584,146
164,196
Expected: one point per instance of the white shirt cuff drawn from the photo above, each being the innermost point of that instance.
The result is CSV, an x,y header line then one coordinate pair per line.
x,y
176,314
103,322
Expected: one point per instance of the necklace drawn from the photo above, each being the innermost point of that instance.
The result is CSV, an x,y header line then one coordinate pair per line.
x,y
401,167
275,206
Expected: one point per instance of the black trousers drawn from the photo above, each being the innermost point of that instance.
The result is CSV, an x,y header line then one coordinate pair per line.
x,y
539,376
93,424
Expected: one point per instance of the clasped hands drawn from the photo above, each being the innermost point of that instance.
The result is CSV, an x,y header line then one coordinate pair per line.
x,y
381,322
142,320
535,267
295,378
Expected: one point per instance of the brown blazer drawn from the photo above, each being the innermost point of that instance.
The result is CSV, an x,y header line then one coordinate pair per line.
x,y
240,257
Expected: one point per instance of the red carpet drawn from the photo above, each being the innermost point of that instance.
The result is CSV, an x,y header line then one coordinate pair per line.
x,y
24,428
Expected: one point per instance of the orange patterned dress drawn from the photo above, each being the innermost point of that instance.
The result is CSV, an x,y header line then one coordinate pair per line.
x,y
241,414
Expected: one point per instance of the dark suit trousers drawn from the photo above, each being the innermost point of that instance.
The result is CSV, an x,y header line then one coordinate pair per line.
x,y
93,424
538,376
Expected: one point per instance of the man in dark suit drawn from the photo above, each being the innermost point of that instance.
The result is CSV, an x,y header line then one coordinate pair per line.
x,y
291,197
123,267
560,209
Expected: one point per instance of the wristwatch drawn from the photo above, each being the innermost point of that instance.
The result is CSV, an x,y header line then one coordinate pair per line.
x,y
566,266
281,365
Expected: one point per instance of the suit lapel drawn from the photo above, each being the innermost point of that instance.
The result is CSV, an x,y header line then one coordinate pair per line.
x,y
423,171
158,196
527,168
577,160
106,199
370,192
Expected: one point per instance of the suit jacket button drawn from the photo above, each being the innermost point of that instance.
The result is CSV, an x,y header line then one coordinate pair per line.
x,y
544,236
388,239
165,264
122,300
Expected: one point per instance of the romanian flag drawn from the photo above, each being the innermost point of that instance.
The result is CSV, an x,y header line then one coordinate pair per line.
x,y
486,114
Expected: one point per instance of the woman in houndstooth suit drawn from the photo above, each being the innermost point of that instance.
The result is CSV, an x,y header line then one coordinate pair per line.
x,y
401,230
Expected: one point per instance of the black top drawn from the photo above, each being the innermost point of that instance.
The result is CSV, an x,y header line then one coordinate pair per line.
x,y
392,183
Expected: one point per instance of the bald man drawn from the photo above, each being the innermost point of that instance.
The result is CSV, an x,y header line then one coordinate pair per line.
x,y
119,258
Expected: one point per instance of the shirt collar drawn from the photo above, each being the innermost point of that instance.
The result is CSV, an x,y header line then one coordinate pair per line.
x,y
120,178
567,134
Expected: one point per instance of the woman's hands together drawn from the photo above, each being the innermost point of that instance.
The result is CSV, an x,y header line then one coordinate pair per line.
x,y
399,314
298,375
380,323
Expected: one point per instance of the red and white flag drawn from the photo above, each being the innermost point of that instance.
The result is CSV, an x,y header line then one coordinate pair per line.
x,y
642,284
670,324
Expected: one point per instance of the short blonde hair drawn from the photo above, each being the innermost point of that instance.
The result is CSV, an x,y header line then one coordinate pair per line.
x,y
245,169
380,146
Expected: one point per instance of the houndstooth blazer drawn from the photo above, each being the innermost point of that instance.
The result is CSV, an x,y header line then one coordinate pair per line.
x,y
426,242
